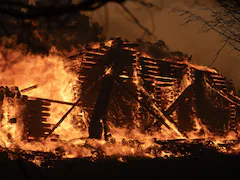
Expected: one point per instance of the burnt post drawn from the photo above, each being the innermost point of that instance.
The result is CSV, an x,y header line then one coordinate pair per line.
x,y
98,120
117,58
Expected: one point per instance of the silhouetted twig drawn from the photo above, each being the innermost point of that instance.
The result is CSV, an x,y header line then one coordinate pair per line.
x,y
224,20
137,22
217,54
21,10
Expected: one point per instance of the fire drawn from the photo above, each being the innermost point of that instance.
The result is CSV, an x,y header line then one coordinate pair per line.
x,y
55,79
109,43
146,55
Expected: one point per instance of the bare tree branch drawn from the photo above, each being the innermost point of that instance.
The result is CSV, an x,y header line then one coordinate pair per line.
x,y
234,46
146,30
146,4
195,17
218,52
24,11
24,16
219,20
224,21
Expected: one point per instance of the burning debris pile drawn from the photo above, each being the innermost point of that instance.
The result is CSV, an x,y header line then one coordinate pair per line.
x,y
112,99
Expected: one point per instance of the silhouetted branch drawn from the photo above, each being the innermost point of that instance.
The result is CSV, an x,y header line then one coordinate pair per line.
x,y
24,11
218,52
135,20
194,17
18,11
224,21
234,46
146,4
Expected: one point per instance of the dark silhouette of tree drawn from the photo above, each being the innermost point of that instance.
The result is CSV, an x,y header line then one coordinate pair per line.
x,y
39,35
42,24
25,10
225,20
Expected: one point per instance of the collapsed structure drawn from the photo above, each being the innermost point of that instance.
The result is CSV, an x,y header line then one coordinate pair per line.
x,y
165,90
123,87
17,109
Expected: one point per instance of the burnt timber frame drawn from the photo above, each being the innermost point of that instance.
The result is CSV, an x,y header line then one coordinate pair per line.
x,y
98,120
98,124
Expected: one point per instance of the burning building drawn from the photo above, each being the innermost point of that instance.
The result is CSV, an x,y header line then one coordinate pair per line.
x,y
176,94
124,100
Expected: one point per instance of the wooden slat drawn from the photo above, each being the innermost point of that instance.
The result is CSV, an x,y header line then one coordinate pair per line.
x,y
174,105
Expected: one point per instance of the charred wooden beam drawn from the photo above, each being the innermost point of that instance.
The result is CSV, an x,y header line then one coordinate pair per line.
x,y
75,55
154,72
93,54
234,98
148,62
219,81
162,117
96,127
217,76
164,84
151,66
89,62
232,122
86,66
52,101
98,50
154,103
34,114
181,97
118,82
73,106
223,95
29,88
62,119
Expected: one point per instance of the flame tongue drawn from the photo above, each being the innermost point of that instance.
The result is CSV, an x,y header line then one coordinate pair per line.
x,y
57,81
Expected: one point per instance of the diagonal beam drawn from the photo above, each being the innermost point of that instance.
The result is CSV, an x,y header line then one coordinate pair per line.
x,y
74,105
181,97
162,116
160,111
29,88
228,97
119,83
52,100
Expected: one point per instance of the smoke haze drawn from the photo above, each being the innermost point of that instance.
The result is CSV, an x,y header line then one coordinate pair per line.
x,y
166,26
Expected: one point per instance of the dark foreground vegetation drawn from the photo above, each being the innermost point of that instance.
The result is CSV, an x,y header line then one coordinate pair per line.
x,y
203,162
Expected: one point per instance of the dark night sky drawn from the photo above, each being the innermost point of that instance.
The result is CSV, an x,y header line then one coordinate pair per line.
x,y
202,46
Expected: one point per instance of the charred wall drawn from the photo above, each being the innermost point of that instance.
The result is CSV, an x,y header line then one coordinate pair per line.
x,y
181,92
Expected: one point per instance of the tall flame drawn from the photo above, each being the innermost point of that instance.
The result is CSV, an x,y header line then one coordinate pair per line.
x,y
57,81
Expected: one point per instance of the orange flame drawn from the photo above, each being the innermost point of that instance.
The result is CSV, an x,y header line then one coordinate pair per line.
x,y
56,81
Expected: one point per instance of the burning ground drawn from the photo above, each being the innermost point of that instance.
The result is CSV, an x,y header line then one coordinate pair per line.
x,y
158,109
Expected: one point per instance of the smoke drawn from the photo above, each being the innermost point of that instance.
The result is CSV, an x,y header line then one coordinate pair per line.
x,y
166,26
